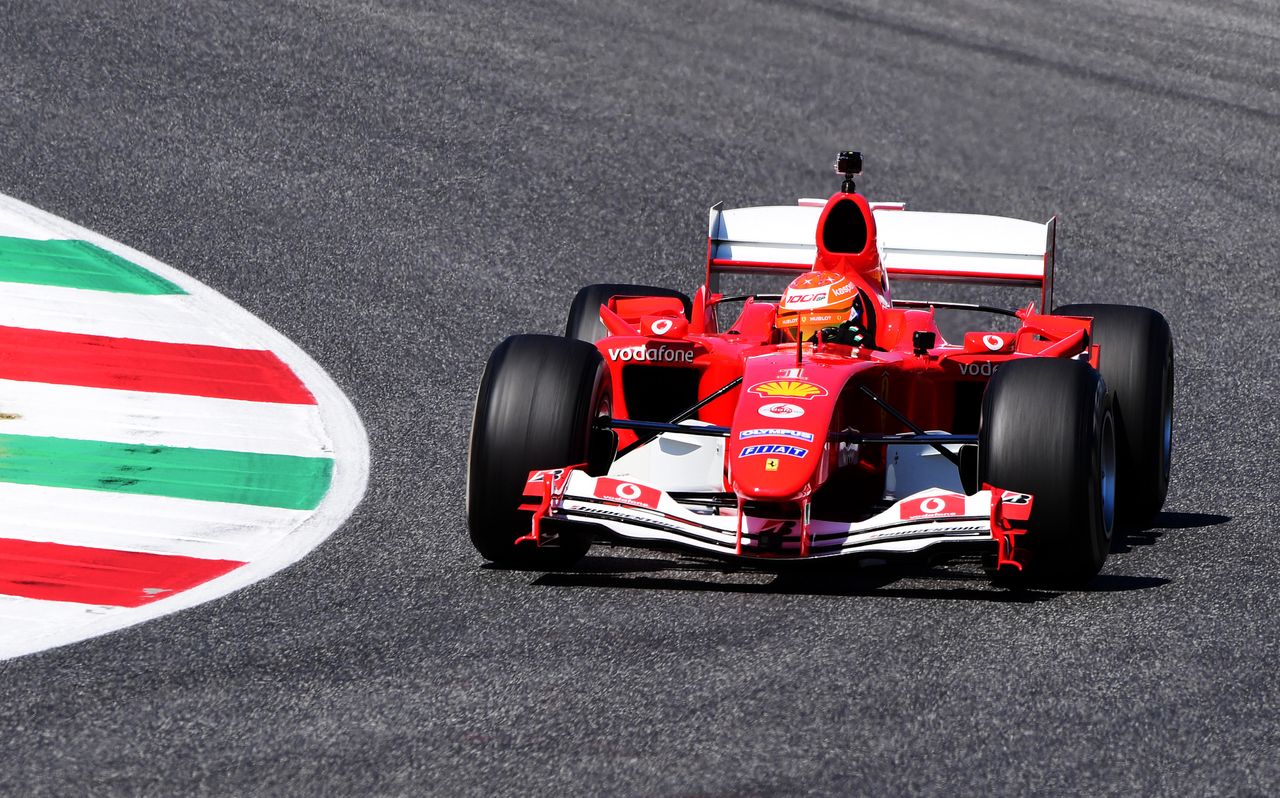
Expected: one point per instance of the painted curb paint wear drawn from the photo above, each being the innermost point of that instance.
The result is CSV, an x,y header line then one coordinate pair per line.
x,y
58,572
166,499
97,361
213,475
197,422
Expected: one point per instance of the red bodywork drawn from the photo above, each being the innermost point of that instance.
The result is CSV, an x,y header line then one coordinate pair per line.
x,y
779,461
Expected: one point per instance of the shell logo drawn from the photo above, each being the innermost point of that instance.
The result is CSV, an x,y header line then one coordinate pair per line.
x,y
791,389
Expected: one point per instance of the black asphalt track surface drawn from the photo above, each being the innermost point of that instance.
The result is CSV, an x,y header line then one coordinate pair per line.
x,y
398,186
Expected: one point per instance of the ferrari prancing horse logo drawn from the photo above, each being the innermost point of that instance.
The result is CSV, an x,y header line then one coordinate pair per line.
x,y
791,389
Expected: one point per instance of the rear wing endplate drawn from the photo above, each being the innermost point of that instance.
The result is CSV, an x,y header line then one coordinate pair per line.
x,y
918,246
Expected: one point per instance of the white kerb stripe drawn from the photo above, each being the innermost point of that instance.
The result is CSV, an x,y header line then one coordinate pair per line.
x,y
171,318
133,522
161,419
25,622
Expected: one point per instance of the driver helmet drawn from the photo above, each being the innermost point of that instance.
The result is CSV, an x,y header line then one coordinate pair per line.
x,y
814,301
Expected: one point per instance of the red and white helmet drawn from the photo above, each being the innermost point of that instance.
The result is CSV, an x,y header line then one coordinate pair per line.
x,y
815,300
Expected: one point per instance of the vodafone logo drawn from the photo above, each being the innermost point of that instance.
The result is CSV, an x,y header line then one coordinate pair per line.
x,y
948,504
985,369
781,410
617,490
993,342
655,354
665,326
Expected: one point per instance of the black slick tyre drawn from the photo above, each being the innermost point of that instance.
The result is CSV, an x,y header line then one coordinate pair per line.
x,y
1136,361
584,314
1047,430
538,400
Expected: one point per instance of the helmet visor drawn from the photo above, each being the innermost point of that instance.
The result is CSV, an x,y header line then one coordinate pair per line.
x,y
805,324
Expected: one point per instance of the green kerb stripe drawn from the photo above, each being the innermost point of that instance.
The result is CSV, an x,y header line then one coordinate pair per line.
x,y
76,264
268,480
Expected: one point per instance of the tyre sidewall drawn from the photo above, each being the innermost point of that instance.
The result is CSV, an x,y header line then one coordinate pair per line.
x,y
1042,432
1136,361
535,408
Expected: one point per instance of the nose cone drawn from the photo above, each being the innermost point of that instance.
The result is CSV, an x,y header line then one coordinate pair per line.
x,y
773,470
777,442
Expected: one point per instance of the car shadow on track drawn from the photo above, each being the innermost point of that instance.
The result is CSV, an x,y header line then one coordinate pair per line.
x,y
1151,533
688,574
971,584
646,573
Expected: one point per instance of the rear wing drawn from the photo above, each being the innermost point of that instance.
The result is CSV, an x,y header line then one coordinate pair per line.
x,y
928,247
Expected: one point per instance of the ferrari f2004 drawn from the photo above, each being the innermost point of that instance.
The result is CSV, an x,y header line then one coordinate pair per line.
x,y
829,420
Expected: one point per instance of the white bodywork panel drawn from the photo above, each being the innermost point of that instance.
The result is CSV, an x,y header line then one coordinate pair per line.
x,y
924,504
914,468
695,464
910,525
676,462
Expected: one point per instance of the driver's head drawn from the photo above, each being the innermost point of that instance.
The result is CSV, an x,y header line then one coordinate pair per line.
x,y
814,301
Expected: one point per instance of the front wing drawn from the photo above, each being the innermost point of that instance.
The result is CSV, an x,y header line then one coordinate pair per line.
x,y
986,522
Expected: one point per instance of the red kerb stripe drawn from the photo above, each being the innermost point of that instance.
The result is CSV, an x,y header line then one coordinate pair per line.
x,y
54,572
97,361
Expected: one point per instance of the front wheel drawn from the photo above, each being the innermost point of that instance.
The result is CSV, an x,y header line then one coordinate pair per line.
x,y
538,400
1047,429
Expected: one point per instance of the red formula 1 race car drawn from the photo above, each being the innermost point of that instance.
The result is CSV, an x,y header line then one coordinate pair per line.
x,y
829,420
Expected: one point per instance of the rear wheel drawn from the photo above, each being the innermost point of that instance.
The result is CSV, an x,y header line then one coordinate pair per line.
x,y
584,314
1136,361
1047,429
538,400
